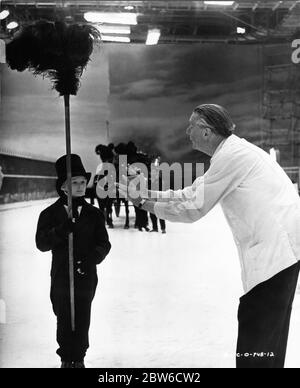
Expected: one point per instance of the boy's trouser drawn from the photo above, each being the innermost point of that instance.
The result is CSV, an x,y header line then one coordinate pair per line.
x,y
73,345
264,318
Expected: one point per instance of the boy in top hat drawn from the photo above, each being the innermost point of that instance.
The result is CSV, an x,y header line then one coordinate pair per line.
x,y
91,245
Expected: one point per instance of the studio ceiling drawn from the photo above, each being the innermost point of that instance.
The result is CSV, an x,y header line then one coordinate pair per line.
x,y
265,21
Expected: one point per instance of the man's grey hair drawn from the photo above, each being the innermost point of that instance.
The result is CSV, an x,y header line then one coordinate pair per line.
x,y
217,118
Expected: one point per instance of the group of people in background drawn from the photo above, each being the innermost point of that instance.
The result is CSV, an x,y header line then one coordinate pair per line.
x,y
111,154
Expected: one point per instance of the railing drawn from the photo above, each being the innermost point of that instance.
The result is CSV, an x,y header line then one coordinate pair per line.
x,y
29,176
18,187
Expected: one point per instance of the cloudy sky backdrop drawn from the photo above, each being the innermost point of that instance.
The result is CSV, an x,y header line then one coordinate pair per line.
x,y
146,93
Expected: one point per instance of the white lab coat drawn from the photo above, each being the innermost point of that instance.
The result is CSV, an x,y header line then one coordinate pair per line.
x,y
259,203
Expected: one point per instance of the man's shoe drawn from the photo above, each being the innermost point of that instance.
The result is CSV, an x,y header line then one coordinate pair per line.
x,y
154,230
66,364
79,364
163,231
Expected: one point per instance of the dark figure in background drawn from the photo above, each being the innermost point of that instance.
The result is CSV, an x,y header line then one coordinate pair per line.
x,y
122,150
91,245
105,203
110,154
141,219
1,177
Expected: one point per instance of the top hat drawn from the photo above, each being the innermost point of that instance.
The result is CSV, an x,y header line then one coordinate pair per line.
x,y
77,168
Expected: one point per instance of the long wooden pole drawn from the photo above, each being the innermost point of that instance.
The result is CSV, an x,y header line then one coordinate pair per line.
x,y
70,211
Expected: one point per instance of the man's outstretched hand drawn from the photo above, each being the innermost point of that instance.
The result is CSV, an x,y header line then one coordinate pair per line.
x,y
134,188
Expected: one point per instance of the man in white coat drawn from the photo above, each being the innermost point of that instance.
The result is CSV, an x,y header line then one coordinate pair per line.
x,y
263,210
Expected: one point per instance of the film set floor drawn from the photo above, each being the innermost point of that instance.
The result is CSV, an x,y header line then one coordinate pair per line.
x,y
162,300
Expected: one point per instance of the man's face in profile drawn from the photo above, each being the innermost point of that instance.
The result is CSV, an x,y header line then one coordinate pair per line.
x,y
195,131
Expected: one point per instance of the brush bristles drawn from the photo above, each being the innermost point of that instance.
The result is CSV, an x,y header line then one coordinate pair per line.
x,y
54,50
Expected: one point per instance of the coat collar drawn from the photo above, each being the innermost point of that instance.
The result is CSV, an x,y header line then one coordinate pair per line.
x,y
224,143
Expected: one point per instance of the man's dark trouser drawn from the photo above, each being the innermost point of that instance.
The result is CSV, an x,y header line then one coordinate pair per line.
x,y
73,345
264,317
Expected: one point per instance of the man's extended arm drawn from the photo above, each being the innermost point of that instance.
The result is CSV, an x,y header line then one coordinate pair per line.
x,y
189,205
